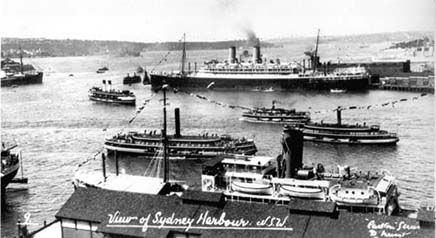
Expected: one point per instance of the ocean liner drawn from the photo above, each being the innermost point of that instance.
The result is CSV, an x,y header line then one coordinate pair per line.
x,y
14,73
263,73
109,95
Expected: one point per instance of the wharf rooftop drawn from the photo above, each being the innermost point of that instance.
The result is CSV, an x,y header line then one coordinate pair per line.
x,y
95,212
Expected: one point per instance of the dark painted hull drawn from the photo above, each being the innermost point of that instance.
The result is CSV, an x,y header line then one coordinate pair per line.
x,y
7,178
27,79
311,83
133,79
179,151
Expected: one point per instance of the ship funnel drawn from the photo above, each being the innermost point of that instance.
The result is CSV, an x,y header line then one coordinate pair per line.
x,y
104,85
292,143
177,121
110,85
232,55
256,54
338,113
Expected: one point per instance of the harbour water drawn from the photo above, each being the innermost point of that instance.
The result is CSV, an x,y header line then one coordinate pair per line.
x,y
57,127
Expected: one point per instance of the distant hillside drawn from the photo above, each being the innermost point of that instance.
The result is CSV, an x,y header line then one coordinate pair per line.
x,y
361,38
424,42
41,47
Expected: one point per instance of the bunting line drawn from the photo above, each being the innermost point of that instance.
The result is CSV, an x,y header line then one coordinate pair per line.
x,y
163,59
226,105
367,107
342,108
138,111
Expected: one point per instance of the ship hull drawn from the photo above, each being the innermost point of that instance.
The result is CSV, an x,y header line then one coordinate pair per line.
x,y
274,120
26,79
131,80
175,152
7,178
108,100
368,141
282,83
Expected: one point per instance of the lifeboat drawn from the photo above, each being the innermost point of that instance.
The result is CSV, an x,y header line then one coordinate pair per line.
x,y
310,189
252,188
354,196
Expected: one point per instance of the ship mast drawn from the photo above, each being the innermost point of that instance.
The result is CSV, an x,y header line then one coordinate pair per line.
x,y
21,60
183,54
315,59
164,136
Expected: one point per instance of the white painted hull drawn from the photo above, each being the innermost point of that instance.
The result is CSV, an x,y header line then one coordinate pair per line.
x,y
273,121
108,100
348,141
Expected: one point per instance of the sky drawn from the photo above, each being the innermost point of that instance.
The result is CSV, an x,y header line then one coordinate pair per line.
x,y
209,20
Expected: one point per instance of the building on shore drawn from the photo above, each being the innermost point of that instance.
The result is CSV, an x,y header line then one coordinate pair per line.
x,y
93,212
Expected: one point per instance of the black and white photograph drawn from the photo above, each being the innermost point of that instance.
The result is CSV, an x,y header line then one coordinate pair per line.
x,y
217,118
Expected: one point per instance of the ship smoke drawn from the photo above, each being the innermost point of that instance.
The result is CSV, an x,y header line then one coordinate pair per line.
x,y
252,39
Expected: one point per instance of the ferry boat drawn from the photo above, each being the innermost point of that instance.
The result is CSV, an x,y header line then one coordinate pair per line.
x,y
110,95
14,73
261,73
338,133
9,166
182,146
132,79
276,115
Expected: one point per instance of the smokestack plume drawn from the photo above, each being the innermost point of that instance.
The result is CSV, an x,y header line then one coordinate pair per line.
x,y
252,39
292,142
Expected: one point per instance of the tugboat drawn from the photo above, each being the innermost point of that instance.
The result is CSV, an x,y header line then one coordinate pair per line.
x,y
132,79
338,133
110,95
265,179
262,179
259,72
185,146
9,167
276,115
14,73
